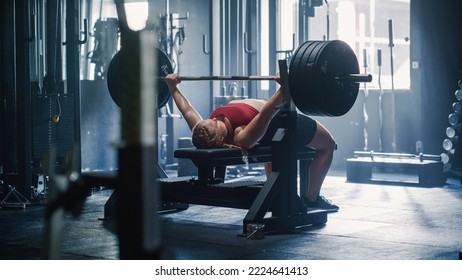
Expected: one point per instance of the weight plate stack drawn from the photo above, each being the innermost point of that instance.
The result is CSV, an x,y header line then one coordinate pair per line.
x,y
315,78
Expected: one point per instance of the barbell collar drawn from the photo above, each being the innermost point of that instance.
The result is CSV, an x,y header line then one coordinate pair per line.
x,y
355,78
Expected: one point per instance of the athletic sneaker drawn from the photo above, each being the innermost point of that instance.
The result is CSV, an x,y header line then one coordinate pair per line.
x,y
321,203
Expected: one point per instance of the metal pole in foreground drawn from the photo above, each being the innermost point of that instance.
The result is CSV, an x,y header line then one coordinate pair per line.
x,y
138,226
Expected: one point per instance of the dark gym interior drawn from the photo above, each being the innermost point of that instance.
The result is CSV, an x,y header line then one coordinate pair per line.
x,y
90,172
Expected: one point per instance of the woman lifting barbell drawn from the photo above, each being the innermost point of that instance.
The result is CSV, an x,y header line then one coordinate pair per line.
x,y
244,123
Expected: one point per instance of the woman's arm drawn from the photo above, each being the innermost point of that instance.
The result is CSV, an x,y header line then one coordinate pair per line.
x,y
248,136
190,114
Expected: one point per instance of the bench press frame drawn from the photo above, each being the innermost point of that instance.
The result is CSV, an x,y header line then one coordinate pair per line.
x,y
273,195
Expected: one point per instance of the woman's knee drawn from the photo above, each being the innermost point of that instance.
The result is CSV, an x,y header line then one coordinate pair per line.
x,y
322,139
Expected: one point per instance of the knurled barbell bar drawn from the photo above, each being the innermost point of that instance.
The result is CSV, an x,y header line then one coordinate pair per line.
x,y
323,78
357,78
378,155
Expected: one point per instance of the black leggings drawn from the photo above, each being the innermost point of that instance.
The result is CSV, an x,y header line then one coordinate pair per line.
x,y
306,129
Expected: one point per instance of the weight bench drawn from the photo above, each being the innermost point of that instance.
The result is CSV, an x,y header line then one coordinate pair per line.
x,y
212,163
210,188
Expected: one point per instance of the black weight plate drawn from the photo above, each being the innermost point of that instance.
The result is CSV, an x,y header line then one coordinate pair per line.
x,y
312,97
297,57
297,80
115,75
165,68
314,87
336,60
302,79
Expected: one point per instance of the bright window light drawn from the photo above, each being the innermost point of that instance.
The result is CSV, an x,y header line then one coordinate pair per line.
x,y
363,24
137,15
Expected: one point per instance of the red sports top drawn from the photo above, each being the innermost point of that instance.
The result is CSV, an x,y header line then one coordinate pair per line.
x,y
237,113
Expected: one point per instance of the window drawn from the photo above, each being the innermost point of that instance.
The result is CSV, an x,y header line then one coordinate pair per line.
x,y
364,25
104,39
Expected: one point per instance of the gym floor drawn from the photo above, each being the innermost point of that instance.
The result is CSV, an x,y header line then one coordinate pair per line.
x,y
376,221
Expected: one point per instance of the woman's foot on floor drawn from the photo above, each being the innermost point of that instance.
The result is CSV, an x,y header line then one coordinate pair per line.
x,y
321,203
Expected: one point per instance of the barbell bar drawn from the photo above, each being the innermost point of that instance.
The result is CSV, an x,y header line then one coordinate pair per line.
x,y
324,78
372,155
351,78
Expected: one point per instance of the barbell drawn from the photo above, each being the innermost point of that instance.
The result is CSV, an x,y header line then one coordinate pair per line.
x,y
323,78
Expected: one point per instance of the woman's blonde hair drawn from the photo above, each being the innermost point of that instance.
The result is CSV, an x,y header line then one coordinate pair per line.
x,y
207,136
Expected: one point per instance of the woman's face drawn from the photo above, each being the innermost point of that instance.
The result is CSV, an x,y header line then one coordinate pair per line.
x,y
218,126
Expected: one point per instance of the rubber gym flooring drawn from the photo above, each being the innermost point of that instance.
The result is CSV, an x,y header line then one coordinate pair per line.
x,y
376,221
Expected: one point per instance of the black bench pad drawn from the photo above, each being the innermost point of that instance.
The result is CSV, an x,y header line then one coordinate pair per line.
x,y
231,156
211,163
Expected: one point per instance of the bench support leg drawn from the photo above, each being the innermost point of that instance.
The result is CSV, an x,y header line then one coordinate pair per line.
x,y
280,192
